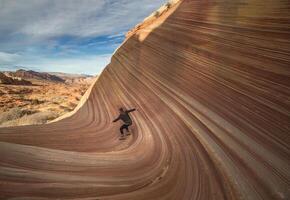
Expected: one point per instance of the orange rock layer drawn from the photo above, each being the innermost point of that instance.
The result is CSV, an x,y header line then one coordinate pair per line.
x,y
210,80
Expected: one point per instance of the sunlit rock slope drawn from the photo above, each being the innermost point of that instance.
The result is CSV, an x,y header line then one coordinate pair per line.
x,y
210,81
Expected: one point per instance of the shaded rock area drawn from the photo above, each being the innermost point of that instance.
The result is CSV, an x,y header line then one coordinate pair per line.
x,y
13,81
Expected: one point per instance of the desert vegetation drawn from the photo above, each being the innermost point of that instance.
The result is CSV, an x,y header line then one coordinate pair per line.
x,y
40,102
18,116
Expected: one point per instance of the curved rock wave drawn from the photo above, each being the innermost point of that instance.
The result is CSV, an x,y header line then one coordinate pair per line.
x,y
210,81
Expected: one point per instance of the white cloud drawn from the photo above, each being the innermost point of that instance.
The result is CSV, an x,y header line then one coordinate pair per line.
x,y
117,35
65,18
32,31
52,18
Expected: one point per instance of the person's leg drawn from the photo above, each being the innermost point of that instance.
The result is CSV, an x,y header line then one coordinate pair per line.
x,y
122,128
130,124
127,128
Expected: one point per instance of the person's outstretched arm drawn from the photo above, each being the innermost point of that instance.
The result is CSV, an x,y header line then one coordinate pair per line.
x,y
131,110
116,119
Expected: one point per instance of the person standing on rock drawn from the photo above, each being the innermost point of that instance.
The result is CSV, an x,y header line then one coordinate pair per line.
x,y
124,116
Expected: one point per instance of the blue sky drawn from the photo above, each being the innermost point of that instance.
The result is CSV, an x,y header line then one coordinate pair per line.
x,y
74,36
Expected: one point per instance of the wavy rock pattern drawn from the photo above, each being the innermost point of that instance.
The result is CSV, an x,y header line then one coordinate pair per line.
x,y
211,83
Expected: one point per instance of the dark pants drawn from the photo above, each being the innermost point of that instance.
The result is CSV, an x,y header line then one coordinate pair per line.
x,y
124,126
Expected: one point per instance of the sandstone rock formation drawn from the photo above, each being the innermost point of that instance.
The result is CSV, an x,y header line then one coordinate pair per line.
x,y
210,80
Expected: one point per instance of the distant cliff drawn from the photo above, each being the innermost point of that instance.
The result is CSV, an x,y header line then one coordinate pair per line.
x,y
13,80
56,77
29,74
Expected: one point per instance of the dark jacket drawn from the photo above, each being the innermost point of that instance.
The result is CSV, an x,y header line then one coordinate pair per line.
x,y
125,117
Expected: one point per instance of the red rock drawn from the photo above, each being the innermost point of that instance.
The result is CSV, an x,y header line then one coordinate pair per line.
x,y
210,80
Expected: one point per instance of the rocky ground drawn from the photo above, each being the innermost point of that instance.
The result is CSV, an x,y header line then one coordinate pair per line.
x,y
38,103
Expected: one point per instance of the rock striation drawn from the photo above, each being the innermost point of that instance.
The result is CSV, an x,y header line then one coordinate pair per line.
x,y
210,81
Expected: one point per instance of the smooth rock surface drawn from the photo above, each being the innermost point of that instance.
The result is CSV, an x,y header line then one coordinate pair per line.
x,y
210,80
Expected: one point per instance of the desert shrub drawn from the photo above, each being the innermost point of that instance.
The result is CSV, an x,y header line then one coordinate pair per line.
x,y
168,4
36,101
36,118
156,14
21,96
14,113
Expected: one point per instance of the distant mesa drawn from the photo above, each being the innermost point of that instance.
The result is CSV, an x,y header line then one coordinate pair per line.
x,y
56,77
13,80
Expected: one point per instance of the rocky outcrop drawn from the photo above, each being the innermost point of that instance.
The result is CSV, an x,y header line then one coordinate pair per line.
x,y
210,81
13,81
